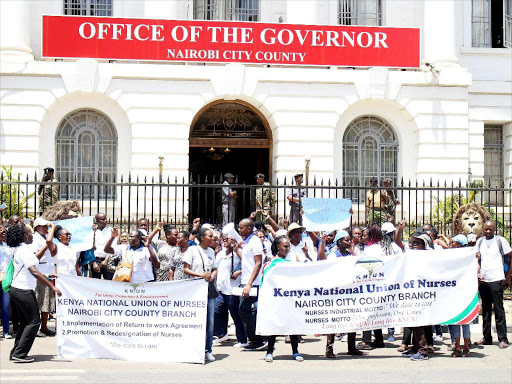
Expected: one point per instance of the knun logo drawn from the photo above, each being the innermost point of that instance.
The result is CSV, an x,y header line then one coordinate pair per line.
x,y
369,265
135,288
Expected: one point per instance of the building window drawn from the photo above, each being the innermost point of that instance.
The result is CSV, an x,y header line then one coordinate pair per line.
x,y
493,160
359,12
234,10
86,150
88,7
370,149
491,23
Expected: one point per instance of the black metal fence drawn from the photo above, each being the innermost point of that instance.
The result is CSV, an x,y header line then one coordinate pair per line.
x,y
179,201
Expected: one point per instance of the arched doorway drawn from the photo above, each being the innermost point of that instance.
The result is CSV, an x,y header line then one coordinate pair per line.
x,y
228,136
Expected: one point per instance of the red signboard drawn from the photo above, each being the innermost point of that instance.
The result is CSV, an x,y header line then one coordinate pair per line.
x,y
229,42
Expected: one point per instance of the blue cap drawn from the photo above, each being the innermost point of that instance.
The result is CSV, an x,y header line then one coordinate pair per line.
x,y
340,235
461,239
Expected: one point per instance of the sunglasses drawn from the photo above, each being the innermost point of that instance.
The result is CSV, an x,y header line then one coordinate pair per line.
x,y
66,234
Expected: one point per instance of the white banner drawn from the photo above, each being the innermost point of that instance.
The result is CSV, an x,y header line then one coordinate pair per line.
x,y
362,293
164,322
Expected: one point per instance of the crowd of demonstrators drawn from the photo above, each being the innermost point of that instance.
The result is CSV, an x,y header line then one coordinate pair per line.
x,y
230,266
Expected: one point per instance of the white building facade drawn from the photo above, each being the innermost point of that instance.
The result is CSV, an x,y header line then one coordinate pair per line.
x,y
449,120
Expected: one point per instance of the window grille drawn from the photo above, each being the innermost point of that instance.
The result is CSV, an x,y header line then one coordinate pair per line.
x,y
359,12
370,149
235,10
86,149
480,23
88,7
493,160
508,24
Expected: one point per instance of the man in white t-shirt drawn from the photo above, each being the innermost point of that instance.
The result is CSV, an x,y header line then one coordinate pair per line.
x,y
102,234
491,252
252,256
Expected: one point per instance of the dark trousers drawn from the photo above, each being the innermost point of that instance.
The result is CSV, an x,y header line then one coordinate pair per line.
x,y
367,336
223,304
351,342
492,294
407,336
428,335
107,275
293,338
247,312
28,314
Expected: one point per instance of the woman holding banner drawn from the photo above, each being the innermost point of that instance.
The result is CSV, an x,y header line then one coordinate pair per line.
x,y
280,249
22,289
200,262
419,350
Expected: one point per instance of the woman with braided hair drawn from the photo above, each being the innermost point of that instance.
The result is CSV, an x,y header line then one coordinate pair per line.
x,y
22,290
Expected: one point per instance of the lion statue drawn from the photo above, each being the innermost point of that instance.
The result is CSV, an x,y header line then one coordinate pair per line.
x,y
470,218
62,210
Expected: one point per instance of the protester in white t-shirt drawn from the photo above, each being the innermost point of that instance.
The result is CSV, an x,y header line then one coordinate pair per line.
x,y
301,245
199,261
102,234
65,259
140,254
44,295
252,258
493,281
229,273
22,290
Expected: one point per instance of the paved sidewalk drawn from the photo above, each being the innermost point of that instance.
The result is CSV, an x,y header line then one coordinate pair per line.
x,y
486,365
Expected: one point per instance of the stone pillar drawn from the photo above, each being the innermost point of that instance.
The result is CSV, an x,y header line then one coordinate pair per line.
x,y
15,33
302,11
439,33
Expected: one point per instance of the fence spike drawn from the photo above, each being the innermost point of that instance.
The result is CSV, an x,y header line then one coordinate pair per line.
x,y
329,182
206,179
416,182
402,181
445,185
137,178
145,179
121,179
152,179
168,179
430,180
213,180
99,177
423,182
284,180
336,181
129,177
35,175
460,182
409,183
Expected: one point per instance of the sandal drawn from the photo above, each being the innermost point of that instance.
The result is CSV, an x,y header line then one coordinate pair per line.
x,y
465,352
298,357
403,348
456,353
355,352
269,358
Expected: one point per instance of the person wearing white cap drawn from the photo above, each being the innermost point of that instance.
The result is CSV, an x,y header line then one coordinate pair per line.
x,y
229,197
44,294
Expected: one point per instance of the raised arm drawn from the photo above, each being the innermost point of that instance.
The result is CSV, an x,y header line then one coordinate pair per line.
x,y
399,234
108,246
321,248
49,240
